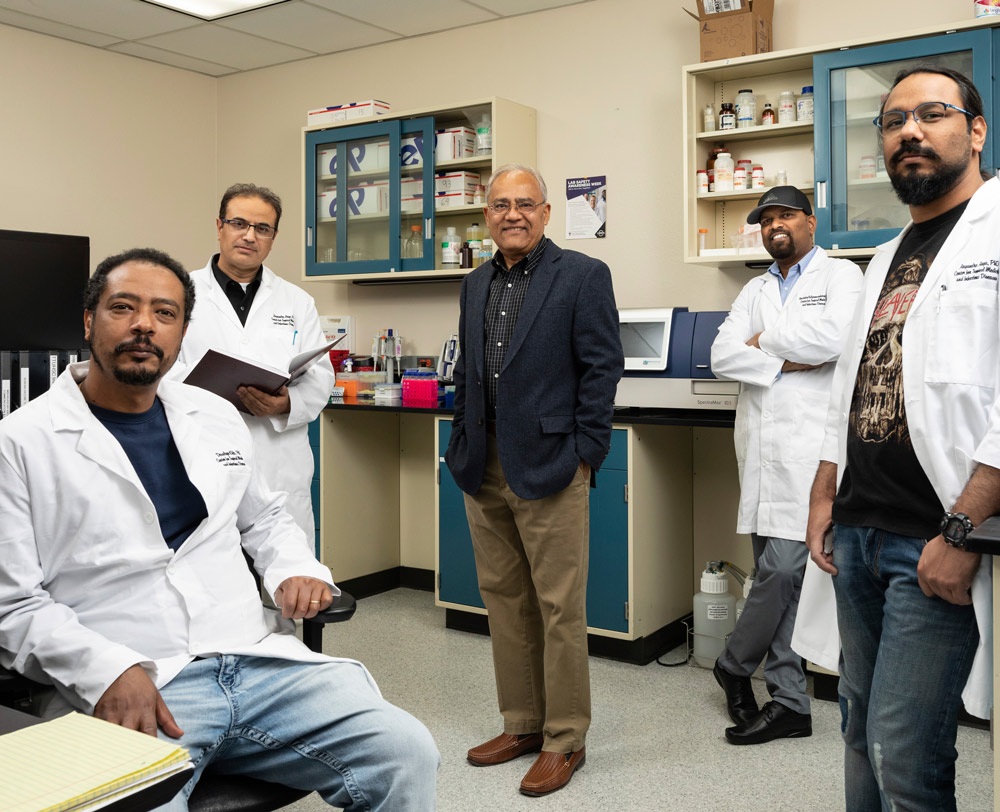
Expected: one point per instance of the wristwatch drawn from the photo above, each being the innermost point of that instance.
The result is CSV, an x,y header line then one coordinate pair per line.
x,y
955,527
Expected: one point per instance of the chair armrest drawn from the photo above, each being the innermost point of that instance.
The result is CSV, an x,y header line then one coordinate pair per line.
x,y
342,608
985,538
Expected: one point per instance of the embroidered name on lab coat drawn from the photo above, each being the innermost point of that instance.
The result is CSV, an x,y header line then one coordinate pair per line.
x,y
816,300
282,321
973,271
230,459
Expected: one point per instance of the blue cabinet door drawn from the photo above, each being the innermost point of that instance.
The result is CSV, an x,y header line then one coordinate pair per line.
x,y
366,186
607,585
456,563
855,206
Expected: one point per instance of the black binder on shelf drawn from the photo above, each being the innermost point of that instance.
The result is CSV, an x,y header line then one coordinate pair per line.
x,y
39,374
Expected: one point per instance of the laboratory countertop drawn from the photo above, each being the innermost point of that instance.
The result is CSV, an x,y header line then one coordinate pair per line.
x,y
704,418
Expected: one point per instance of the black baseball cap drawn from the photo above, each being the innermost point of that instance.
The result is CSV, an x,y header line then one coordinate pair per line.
x,y
787,196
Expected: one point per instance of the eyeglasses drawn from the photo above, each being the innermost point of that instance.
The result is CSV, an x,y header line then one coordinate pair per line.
x,y
501,207
926,115
240,226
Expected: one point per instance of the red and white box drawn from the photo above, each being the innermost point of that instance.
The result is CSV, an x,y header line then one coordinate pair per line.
x,y
453,143
369,198
346,112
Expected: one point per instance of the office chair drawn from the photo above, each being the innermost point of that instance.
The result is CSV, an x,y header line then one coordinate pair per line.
x,y
222,793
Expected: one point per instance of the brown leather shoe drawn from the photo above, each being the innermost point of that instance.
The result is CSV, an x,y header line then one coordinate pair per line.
x,y
552,771
505,747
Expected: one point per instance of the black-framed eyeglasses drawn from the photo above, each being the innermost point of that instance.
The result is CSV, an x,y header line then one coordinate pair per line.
x,y
522,206
241,226
926,114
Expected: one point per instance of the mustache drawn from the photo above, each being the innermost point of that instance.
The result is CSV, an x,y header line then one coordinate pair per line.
x,y
913,148
140,343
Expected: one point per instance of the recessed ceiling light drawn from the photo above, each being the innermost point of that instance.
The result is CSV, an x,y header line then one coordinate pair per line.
x,y
214,9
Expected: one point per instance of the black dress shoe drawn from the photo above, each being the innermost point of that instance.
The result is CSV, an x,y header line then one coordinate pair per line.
x,y
740,701
775,721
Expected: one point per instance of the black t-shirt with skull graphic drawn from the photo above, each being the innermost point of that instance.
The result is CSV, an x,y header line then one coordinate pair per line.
x,y
883,485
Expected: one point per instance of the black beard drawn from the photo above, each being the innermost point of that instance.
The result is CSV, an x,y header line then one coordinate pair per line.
x,y
783,252
132,376
915,189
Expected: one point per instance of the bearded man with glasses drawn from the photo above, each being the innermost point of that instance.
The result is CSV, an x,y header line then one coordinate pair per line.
x,y
911,458
243,308
534,394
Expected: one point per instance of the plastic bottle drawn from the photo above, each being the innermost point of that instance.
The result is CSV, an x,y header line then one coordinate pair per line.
x,y
702,238
746,109
702,175
866,167
474,237
710,165
451,249
724,169
484,135
413,248
486,252
709,118
714,616
804,105
767,116
786,107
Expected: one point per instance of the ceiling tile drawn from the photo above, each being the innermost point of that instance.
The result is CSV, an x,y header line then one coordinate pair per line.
x,y
120,19
19,20
168,58
511,7
214,43
309,27
409,17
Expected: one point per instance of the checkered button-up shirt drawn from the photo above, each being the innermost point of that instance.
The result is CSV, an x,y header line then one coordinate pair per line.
x,y
507,291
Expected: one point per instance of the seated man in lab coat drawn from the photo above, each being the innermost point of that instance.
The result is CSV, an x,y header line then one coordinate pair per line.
x,y
126,502
785,330
911,457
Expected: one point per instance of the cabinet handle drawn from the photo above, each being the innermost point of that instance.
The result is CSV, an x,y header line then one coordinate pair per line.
x,y
309,236
821,194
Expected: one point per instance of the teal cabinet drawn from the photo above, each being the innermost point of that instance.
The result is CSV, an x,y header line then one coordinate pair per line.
x,y
607,585
854,203
366,187
315,488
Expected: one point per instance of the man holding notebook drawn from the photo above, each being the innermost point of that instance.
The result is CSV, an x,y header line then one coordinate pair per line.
x,y
245,309
127,502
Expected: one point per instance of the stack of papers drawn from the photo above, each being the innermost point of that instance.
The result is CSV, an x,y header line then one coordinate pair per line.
x,y
77,762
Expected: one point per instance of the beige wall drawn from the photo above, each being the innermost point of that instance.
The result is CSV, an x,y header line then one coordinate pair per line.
x,y
104,145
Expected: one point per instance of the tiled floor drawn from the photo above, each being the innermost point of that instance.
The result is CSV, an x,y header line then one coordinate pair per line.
x,y
656,742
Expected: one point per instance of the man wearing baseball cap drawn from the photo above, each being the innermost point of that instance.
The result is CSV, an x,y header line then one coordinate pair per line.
x,y
781,340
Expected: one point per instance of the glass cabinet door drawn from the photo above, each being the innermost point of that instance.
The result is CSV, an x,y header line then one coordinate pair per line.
x,y
356,182
855,203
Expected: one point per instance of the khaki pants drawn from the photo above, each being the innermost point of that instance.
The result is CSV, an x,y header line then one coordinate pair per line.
x,y
531,559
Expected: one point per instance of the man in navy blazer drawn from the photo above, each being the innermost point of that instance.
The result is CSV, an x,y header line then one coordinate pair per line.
x,y
534,395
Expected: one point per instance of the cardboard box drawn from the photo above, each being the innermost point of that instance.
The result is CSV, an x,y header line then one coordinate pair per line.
x,y
455,197
454,143
459,180
740,31
362,157
369,198
346,112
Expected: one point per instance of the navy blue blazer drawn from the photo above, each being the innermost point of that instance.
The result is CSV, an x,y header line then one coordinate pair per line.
x,y
555,394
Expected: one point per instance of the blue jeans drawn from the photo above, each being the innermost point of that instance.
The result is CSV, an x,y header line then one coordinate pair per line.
x,y
904,662
319,726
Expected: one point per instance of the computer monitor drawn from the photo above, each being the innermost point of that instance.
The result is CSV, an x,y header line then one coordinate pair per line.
x,y
42,277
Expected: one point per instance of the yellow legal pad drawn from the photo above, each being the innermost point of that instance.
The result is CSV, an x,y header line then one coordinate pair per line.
x,y
77,762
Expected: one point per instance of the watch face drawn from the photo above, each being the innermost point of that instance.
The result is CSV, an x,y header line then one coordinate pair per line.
x,y
955,529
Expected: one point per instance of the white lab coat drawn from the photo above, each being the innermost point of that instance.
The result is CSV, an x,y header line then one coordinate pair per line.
x,y
282,323
951,375
780,420
88,587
